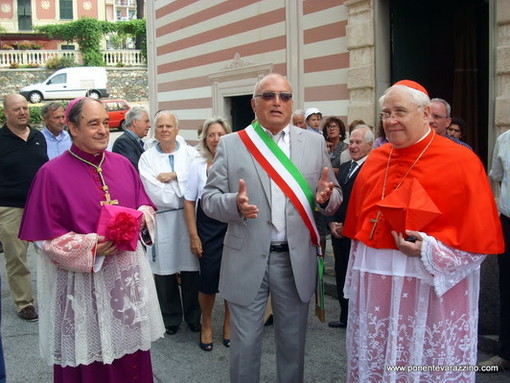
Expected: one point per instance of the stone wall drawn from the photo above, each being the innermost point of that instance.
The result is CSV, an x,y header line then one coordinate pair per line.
x,y
127,83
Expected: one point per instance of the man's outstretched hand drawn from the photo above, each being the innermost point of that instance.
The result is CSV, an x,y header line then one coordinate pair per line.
x,y
324,189
243,205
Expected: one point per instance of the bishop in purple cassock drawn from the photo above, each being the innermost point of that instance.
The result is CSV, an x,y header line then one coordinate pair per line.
x,y
98,309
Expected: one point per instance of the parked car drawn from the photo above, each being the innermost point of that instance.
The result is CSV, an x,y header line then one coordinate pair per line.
x,y
117,109
69,83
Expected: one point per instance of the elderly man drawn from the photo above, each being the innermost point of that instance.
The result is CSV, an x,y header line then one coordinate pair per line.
x,y
164,171
360,145
440,119
57,139
22,153
421,228
130,143
298,119
98,304
271,242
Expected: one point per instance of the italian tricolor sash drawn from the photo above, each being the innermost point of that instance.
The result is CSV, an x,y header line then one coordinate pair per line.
x,y
283,172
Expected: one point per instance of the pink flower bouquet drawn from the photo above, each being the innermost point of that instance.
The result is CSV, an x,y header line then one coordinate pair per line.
x,y
120,225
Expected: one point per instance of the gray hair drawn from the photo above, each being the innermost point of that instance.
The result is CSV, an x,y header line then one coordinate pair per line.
x,y
164,112
257,85
51,107
202,145
419,98
446,105
135,113
298,112
369,135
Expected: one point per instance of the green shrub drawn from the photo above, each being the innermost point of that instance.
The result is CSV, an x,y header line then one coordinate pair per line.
x,y
93,58
35,115
56,62
52,62
24,45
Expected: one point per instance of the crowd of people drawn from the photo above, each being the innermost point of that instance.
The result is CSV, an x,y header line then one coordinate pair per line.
x,y
134,241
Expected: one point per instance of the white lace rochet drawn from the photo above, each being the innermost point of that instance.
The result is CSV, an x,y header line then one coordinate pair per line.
x,y
94,316
413,313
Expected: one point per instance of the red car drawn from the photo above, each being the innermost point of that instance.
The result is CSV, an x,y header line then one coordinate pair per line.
x,y
117,110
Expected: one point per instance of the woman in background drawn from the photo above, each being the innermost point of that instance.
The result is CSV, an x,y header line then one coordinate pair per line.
x,y
206,234
334,133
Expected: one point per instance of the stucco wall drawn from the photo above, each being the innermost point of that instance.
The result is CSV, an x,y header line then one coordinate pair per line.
x,y
129,84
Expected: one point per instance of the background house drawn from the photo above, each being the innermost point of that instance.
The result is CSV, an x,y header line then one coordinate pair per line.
x,y
18,17
205,56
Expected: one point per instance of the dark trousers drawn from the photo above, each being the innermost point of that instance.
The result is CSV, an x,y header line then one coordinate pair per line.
x,y
504,293
341,250
173,308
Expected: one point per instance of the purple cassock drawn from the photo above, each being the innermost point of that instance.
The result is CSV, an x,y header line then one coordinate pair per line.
x,y
66,192
95,323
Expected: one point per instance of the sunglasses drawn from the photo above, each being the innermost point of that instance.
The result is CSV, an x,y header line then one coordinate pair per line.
x,y
268,96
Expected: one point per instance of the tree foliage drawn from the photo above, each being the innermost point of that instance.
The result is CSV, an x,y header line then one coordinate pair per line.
x,y
136,29
89,32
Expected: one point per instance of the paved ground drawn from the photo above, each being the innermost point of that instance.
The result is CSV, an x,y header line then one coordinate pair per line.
x,y
178,359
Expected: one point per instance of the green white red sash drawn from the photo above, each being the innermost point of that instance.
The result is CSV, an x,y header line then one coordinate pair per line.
x,y
283,172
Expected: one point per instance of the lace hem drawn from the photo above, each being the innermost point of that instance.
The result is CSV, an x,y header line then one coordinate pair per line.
x,y
88,317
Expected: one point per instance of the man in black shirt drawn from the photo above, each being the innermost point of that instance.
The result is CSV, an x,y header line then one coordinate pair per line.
x,y
22,153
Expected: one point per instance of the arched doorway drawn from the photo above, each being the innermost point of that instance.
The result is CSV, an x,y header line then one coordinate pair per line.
x,y
445,46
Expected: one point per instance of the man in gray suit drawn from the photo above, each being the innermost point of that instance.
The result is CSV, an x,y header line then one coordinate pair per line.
x,y
130,143
268,247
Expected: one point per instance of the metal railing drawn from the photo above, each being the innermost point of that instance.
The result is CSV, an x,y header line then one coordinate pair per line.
x,y
38,58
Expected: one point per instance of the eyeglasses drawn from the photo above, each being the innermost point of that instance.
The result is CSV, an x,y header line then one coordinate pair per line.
x,y
268,96
332,127
397,114
437,116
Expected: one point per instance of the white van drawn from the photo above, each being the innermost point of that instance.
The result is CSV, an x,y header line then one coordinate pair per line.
x,y
69,83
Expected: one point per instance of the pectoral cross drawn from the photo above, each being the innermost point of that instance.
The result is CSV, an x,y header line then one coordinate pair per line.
x,y
99,171
375,221
108,201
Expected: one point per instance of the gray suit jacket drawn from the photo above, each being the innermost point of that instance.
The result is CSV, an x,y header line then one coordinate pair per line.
x,y
247,241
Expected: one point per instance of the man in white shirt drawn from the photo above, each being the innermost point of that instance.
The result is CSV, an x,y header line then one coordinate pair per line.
x,y
500,172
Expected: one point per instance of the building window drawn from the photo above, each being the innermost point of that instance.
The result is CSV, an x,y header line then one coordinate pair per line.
x,y
24,15
67,47
66,9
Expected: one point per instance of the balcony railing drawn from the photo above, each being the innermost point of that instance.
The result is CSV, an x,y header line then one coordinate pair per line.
x,y
38,58
125,3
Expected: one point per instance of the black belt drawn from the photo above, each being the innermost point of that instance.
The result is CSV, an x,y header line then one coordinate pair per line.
x,y
282,247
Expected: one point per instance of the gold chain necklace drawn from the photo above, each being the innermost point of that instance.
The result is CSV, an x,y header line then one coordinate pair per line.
x,y
99,171
376,220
